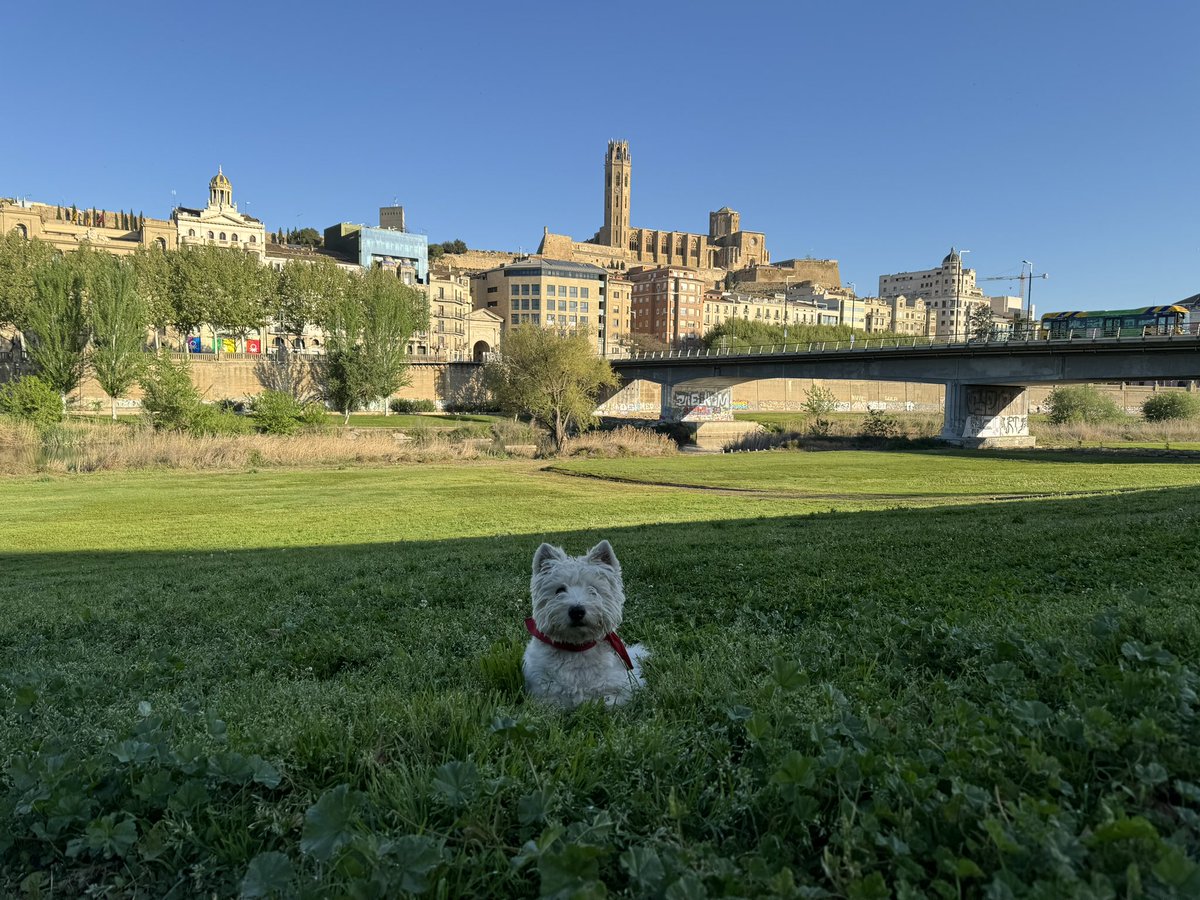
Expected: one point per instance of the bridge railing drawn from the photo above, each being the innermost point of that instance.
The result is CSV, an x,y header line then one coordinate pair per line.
x,y
904,342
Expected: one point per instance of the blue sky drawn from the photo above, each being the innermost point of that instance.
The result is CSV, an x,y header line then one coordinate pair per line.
x,y
878,134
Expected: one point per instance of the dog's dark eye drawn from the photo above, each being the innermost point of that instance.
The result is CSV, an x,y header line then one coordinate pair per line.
x,y
561,590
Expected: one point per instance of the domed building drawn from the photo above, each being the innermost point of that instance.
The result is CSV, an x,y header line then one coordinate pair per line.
x,y
220,224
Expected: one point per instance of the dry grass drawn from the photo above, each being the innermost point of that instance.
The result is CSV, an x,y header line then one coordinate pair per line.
x,y
82,447
1126,431
624,441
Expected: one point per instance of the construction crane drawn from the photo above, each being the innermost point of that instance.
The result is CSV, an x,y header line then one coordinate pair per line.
x,y
1023,277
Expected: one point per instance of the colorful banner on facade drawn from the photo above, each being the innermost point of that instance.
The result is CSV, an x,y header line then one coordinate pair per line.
x,y
228,345
253,345
194,344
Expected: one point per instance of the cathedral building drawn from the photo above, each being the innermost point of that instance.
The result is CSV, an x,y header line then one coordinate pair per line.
x,y
220,224
619,246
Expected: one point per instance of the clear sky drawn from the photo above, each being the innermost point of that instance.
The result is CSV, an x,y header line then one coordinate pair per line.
x,y
878,134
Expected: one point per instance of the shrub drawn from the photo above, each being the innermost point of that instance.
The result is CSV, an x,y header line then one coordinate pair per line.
x,y
170,400
1081,403
879,425
32,400
216,420
275,412
819,401
1173,405
413,406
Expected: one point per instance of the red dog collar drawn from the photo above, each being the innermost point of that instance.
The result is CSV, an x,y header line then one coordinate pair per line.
x,y
612,639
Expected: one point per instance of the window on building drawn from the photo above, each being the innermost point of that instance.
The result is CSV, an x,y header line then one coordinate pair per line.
x,y
223,236
583,307
574,305
583,292
210,235
191,232
535,303
516,290
537,319
549,290
524,290
583,320
253,239
491,290
524,304
549,318
441,294
537,290
234,237
516,319
574,291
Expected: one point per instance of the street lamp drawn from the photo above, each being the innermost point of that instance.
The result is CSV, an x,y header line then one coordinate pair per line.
x,y
1029,301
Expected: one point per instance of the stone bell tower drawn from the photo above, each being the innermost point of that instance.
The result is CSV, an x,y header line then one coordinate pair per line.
x,y
615,232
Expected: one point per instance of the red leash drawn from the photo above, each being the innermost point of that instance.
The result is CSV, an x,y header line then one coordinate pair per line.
x,y
612,639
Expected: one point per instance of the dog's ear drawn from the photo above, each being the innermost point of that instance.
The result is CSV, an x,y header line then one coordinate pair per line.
x,y
545,554
603,553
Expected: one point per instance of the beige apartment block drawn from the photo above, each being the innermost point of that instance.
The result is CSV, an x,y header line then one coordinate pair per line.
x,y
219,224
457,332
950,293
547,293
667,304
618,311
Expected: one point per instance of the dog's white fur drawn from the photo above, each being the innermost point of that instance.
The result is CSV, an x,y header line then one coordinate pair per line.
x,y
592,582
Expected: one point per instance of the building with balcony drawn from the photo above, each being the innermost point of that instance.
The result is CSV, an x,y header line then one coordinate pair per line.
x,y
667,303
220,224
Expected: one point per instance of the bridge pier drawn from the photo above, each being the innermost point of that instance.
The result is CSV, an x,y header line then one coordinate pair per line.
x,y
986,416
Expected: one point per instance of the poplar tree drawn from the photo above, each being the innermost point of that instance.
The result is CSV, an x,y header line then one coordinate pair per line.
x,y
55,324
118,315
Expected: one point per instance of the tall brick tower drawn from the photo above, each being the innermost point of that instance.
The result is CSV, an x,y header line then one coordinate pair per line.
x,y
615,232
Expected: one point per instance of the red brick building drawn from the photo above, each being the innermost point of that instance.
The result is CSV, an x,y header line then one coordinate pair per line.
x,y
667,303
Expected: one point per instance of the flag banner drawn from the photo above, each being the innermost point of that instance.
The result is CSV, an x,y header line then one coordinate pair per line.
x,y
194,344
253,345
228,345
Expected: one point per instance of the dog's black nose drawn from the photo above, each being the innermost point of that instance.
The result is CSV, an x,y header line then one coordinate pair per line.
x,y
576,613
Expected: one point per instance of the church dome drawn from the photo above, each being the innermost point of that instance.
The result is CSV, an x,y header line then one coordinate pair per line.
x,y
952,257
219,180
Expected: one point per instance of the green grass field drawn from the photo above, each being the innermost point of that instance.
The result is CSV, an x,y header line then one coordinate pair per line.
x,y
867,680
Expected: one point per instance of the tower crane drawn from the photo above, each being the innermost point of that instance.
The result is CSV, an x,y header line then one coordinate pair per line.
x,y
1023,277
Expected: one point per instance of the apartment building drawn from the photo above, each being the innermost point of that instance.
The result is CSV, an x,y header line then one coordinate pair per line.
x,y
548,293
667,304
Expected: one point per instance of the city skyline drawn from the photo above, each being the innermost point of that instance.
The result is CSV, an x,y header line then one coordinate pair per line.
x,y
940,126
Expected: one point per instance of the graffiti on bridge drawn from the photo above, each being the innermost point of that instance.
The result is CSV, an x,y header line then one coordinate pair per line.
x,y
701,405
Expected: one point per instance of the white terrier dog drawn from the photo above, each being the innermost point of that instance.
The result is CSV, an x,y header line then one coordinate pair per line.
x,y
575,654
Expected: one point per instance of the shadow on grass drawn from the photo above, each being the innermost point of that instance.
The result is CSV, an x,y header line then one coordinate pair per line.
x,y
422,614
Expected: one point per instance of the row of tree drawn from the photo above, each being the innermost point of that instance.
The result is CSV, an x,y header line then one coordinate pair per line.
x,y
94,312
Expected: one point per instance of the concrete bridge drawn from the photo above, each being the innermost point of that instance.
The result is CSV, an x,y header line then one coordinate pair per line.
x,y
986,400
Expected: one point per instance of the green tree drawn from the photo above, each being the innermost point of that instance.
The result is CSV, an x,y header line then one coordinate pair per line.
x,y
155,283
307,237
1171,405
366,331
979,322
738,334
305,290
55,324
1081,403
553,378
31,400
218,287
118,316
170,399
19,260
